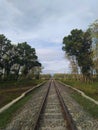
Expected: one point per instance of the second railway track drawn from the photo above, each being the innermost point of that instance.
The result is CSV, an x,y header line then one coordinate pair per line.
x,y
53,114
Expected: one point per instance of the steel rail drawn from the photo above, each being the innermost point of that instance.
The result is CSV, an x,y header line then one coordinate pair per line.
x,y
66,113
36,126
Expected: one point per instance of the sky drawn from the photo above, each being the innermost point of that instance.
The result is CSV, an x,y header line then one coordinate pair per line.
x,y
44,23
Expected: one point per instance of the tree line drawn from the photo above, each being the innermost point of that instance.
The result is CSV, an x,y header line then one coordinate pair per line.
x,y
81,48
17,61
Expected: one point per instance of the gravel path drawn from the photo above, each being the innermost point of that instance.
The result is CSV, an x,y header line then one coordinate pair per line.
x,y
82,119
25,119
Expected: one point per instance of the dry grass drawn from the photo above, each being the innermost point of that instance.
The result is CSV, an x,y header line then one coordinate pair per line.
x,y
8,94
90,89
10,90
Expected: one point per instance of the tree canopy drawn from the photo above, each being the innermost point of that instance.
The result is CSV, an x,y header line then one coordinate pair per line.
x,y
79,45
94,32
19,59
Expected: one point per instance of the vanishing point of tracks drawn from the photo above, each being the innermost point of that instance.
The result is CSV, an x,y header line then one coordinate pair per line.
x,y
53,113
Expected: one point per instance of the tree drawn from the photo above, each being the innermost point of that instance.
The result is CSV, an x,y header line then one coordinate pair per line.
x,y
78,44
94,32
73,64
94,28
5,57
17,59
28,58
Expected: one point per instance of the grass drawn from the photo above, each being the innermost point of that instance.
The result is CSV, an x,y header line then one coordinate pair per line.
x,y
10,90
7,115
19,83
7,95
90,89
87,105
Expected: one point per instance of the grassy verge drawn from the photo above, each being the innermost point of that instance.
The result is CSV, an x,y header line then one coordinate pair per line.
x,y
87,105
90,89
7,115
11,90
8,95
19,83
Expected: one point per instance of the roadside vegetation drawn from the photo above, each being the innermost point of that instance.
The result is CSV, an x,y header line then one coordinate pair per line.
x,y
10,90
87,105
7,115
89,88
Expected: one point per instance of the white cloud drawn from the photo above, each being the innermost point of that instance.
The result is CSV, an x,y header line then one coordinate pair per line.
x,y
56,66
53,60
44,23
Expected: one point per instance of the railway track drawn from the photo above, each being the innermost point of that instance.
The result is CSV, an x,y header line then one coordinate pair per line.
x,y
46,110
53,113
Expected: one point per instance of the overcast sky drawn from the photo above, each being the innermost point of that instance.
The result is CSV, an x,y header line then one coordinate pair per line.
x,y
44,23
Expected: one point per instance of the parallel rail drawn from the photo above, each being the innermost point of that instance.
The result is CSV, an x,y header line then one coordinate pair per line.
x,y
70,123
41,108
67,115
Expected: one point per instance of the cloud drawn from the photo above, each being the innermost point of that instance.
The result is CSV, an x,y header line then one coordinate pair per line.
x,y
56,66
53,60
45,19
44,23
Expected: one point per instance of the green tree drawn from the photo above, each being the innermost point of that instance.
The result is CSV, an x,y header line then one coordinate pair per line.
x,y
94,32
28,58
78,44
17,59
5,55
